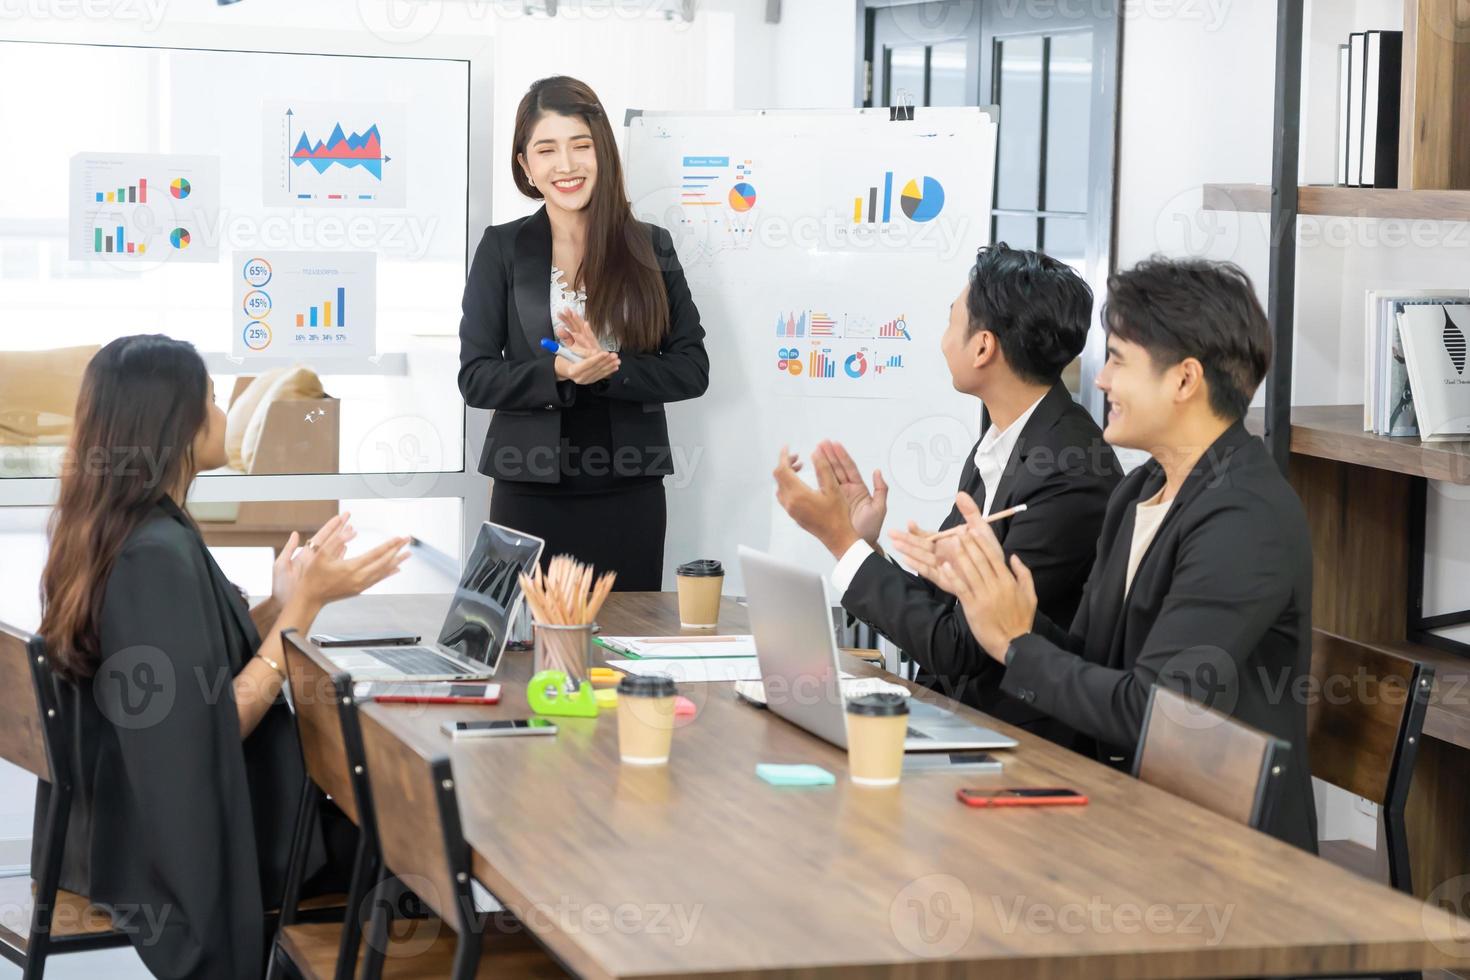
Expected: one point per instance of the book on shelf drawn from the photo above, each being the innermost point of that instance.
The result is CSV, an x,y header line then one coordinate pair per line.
x,y
1388,403
1370,77
1357,62
1434,339
1382,77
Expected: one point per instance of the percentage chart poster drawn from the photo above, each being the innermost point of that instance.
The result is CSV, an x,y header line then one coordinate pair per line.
x,y
334,154
304,304
143,208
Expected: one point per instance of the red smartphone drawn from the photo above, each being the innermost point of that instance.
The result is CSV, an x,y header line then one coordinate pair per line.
x,y
446,693
1021,797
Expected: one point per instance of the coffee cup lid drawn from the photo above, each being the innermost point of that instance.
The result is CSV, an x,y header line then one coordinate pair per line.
x,y
703,568
881,704
647,686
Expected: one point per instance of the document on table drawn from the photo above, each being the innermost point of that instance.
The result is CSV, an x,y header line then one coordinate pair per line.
x,y
680,647
694,670
699,671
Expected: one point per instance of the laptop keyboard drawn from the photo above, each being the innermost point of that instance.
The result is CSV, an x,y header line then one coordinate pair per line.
x,y
416,660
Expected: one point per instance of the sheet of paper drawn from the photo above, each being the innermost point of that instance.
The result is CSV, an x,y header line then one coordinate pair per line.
x,y
699,671
682,647
695,671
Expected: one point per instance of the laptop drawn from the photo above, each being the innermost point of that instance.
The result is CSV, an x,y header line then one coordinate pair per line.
x,y
791,621
476,627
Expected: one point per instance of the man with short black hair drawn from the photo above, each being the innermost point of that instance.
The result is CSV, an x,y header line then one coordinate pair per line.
x,y
1203,577
1020,319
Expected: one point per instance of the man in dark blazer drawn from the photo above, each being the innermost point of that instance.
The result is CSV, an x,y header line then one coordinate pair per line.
x,y
1203,576
1019,321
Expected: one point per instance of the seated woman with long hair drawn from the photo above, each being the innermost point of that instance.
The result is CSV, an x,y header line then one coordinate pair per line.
x,y
187,766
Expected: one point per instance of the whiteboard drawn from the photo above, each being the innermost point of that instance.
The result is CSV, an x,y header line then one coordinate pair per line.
x,y
823,249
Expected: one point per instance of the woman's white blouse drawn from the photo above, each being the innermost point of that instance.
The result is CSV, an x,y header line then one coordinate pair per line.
x,y
563,297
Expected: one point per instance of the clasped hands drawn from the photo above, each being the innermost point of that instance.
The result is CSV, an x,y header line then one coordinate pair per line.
x,y
576,334
997,596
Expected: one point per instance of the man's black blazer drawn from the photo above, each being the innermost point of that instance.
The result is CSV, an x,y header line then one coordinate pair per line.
x,y
1220,609
502,366
1064,472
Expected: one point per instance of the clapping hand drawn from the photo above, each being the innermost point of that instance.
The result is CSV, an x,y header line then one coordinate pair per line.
x,y
288,567
998,596
866,509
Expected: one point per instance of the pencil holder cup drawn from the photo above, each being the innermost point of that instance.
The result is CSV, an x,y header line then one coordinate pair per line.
x,y
563,648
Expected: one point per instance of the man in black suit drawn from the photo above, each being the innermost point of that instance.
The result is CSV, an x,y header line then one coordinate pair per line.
x,y
1203,577
1020,319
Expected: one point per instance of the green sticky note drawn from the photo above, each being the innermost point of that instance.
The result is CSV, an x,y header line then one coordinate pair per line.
x,y
794,775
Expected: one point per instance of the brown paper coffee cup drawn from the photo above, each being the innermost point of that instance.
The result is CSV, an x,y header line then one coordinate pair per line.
x,y
646,718
700,583
877,725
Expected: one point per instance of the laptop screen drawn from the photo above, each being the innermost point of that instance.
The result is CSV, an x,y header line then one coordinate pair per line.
x,y
479,618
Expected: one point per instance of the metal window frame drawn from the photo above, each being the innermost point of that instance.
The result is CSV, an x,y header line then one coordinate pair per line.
x,y
464,484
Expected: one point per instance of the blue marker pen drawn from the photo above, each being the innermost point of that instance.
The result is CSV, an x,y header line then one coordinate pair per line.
x,y
561,351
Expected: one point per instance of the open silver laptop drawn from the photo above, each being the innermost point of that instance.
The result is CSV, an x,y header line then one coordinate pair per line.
x,y
791,621
476,627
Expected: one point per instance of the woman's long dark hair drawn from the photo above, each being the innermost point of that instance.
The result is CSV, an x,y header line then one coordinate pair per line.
x,y
140,408
626,298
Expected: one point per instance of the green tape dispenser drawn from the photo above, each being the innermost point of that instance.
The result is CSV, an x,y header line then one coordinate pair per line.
x,y
552,692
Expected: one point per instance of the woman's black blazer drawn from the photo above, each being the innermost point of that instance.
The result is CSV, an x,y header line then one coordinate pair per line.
x,y
174,813
502,366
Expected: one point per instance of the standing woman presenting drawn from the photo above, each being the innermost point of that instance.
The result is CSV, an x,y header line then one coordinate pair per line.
x,y
578,448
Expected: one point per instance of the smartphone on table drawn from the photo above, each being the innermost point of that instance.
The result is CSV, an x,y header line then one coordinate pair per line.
x,y
499,728
446,692
1021,797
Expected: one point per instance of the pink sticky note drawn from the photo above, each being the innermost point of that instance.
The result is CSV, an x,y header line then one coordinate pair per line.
x,y
684,708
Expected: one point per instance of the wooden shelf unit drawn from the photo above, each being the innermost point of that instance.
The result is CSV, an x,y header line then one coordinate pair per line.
x,y
1434,133
1348,202
1360,491
1434,128
1336,432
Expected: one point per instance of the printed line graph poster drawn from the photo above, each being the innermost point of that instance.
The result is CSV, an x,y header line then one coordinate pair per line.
x,y
334,154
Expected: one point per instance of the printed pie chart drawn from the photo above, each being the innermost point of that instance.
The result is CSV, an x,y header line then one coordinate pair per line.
x,y
179,187
922,202
855,366
179,238
742,197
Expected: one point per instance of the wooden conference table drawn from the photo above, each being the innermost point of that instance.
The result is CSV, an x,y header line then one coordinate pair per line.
x,y
700,868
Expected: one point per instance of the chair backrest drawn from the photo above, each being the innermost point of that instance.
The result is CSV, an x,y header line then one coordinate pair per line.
x,y
1365,716
1208,757
320,692
23,705
417,817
